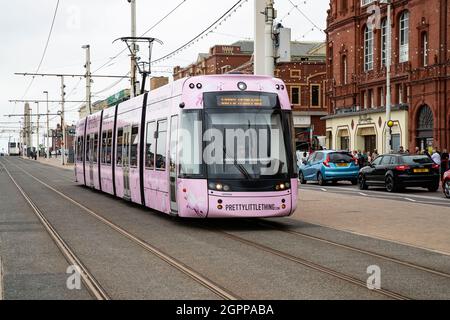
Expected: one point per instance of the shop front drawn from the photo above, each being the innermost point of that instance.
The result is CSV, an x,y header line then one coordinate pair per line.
x,y
366,131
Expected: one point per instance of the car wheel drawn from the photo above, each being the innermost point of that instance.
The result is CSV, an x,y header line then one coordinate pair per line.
x,y
433,188
320,179
447,189
390,184
302,178
362,183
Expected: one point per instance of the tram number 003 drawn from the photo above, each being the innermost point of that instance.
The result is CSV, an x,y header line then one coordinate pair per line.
x,y
246,309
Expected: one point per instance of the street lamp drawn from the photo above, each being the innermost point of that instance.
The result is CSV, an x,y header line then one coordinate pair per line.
x,y
88,77
48,129
388,74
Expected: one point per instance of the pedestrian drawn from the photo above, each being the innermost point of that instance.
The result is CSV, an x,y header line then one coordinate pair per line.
x,y
360,158
444,162
436,157
369,157
401,150
417,151
375,154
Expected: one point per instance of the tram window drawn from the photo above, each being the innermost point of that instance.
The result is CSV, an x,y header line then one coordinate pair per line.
x,y
88,148
150,146
109,148
81,149
77,150
134,146
95,154
161,147
119,146
190,150
103,147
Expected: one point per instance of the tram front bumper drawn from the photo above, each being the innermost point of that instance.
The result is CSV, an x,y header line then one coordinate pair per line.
x,y
245,205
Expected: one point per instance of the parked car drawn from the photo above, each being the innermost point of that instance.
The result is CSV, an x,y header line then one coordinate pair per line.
x,y
446,184
397,171
329,166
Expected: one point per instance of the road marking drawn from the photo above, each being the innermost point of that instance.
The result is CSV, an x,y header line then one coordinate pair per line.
x,y
363,194
324,190
409,199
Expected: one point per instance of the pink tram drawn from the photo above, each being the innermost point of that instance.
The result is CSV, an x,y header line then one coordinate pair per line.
x,y
201,147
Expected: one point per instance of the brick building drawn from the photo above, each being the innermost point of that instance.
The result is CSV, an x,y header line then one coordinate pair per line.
x,y
356,72
305,78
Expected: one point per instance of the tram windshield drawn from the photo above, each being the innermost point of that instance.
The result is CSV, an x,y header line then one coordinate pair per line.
x,y
245,143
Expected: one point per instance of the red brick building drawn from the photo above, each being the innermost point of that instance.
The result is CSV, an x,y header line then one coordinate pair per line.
x,y
356,72
305,78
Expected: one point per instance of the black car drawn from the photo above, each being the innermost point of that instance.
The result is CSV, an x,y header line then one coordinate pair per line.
x,y
399,171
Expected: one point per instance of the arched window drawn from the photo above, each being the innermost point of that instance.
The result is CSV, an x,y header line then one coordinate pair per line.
x,y
425,120
344,70
404,37
368,49
383,42
424,49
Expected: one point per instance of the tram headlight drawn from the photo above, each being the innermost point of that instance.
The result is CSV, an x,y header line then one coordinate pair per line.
x,y
242,86
218,187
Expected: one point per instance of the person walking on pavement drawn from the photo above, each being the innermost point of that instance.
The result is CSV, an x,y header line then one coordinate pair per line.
x,y
417,151
375,154
436,157
444,162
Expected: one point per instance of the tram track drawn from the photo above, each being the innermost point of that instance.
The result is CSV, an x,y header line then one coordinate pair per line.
x,y
270,226
215,288
311,265
411,265
93,286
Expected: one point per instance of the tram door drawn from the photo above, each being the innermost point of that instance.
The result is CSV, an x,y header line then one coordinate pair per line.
x,y
173,163
91,159
126,162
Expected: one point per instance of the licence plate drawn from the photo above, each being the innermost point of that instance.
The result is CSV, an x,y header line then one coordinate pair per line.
x,y
342,165
421,170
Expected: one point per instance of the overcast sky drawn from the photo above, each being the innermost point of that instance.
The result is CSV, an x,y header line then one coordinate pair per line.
x,y
25,26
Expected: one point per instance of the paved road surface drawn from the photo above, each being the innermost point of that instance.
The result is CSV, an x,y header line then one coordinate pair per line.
x,y
248,259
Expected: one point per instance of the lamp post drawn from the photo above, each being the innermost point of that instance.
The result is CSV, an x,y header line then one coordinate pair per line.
x,y
88,78
388,74
48,129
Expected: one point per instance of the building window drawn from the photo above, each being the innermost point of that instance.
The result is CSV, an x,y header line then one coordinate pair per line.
x,y
315,95
344,5
424,49
370,98
383,42
404,37
366,2
382,97
295,95
296,74
400,93
344,71
368,49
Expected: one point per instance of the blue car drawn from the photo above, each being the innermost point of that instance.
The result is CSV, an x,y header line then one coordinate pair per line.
x,y
329,166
